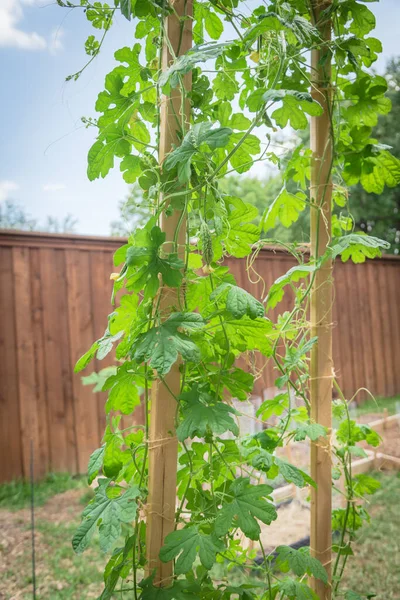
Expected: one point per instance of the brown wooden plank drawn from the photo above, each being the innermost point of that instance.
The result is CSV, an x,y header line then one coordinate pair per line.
x,y
29,408
393,282
376,327
101,292
80,316
365,326
341,332
10,438
63,455
39,357
353,326
359,330
386,324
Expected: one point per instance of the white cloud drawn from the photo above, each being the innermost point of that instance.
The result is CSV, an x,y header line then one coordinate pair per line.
x,y
55,43
53,187
6,187
12,36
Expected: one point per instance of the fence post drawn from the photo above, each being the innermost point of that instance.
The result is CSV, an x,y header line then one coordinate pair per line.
x,y
321,369
163,445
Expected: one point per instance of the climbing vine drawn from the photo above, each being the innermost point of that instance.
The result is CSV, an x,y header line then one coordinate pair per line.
x,y
250,77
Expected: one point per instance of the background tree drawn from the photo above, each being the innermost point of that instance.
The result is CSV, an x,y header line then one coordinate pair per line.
x,y
15,216
380,215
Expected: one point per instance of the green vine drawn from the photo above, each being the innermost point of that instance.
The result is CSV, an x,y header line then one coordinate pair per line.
x,y
250,77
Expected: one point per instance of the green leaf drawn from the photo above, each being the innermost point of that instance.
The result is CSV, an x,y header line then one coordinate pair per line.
x,y
145,264
293,474
124,394
296,590
358,247
310,430
364,484
131,168
239,121
239,383
213,25
161,345
84,360
119,566
201,133
363,19
238,301
113,455
106,512
349,433
186,62
100,349
95,463
245,148
99,15
206,419
101,154
186,544
125,315
286,208
300,562
247,504
250,334
274,406
225,85
126,8
385,172
295,106
180,590
240,233
272,465
276,291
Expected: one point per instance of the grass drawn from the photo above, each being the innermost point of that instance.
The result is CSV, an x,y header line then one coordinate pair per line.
x,y
378,405
63,575
60,573
17,494
375,568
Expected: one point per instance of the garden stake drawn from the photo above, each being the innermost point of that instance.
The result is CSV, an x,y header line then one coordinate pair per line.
x,y
163,444
321,369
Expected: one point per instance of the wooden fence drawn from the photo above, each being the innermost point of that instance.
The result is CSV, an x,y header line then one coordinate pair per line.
x,y
54,300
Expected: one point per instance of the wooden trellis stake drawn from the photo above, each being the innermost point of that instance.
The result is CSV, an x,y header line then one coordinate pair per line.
x,y
321,370
163,445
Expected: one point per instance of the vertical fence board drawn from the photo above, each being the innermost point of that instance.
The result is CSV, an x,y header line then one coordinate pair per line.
x,y
28,401
10,438
80,312
386,331
376,328
369,375
39,358
388,321
393,291
63,455
345,371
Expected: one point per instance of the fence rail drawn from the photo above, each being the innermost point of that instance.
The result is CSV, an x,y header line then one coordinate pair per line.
x,y
54,300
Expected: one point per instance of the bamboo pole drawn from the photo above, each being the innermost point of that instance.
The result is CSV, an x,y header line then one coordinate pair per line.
x,y
163,445
321,369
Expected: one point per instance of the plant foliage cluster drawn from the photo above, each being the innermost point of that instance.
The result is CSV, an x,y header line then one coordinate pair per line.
x,y
249,77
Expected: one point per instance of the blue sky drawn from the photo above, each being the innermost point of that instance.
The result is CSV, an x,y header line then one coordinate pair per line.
x,y
44,145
